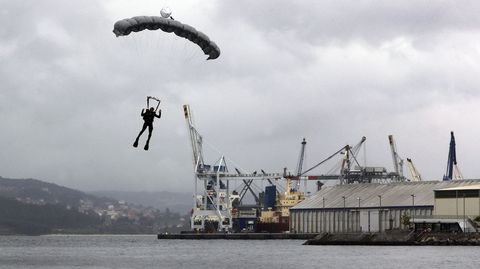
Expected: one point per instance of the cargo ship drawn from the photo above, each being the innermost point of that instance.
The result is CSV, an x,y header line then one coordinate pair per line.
x,y
272,215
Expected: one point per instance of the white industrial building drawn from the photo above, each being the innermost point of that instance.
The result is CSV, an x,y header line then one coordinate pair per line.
x,y
374,207
454,209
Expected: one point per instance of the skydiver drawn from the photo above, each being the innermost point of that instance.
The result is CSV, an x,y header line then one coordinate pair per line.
x,y
148,117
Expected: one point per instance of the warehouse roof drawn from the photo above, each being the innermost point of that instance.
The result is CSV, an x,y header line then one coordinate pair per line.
x,y
461,188
369,194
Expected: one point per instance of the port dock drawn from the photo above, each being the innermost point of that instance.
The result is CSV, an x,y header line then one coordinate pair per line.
x,y
397,238
238,236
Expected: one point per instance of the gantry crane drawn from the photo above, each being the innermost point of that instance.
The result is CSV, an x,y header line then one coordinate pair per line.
x,y
212,209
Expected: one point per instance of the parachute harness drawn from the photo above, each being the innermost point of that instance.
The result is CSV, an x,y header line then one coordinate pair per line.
x,y
154,98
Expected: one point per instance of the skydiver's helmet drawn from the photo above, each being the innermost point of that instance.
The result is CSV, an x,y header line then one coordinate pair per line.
x,y
152,109
166,12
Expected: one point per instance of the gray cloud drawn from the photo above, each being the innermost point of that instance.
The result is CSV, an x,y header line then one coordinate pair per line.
x,y
344,21
330,71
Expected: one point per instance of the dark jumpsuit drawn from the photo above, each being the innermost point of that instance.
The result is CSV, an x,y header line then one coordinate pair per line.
x,y
148,117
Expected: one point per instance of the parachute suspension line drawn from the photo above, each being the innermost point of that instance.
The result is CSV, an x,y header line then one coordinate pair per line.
x,y
144,59
189,52
157,43
171,49
138,50
163,44
168,43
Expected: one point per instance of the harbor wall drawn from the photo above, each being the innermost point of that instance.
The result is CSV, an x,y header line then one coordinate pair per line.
x,y
397,238
237,236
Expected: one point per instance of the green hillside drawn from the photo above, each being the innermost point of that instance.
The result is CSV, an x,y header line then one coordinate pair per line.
x,y
20,218
40,192
30,206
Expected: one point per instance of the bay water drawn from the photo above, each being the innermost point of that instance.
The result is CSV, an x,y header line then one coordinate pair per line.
x,y
146,251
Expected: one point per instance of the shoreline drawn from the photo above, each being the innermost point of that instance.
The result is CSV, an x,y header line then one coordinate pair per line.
x,y
237,236
397,239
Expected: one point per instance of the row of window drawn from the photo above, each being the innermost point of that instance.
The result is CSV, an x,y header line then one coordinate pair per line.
x,y
457,193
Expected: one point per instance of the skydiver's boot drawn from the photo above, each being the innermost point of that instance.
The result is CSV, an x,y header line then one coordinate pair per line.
x,y
148,139
135,144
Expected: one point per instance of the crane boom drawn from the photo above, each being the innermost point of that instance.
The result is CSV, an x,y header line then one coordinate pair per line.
x,y
394,153
300,163
301,158
413,170
397,161
195,138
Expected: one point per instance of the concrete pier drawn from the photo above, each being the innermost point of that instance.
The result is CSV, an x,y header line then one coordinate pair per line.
x,y
237,236
397,239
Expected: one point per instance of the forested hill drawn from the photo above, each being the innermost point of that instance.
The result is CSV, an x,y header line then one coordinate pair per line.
x,y
34,191
20,218
30,206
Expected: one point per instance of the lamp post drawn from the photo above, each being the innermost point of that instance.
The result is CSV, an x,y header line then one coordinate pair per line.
x,y
359,217
413,209
343,215
456,202
380,213
464,217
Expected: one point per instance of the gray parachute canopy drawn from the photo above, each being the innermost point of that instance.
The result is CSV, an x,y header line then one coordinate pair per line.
x,y
140,23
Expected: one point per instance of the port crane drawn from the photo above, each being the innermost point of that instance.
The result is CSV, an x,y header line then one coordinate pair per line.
x,y
300,162
452,173
212,208
213,196
346,174
299,174
413,170
349,170
397,161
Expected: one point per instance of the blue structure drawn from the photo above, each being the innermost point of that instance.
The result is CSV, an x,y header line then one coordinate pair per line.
x,y
452,159
270,197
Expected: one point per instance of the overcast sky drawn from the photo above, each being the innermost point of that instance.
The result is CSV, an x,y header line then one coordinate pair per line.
x,y
330,71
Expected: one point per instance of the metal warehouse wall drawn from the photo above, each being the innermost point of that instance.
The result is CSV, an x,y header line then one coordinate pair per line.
x,y
352,220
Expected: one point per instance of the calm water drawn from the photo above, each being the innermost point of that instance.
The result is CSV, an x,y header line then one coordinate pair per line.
x,y
148,252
